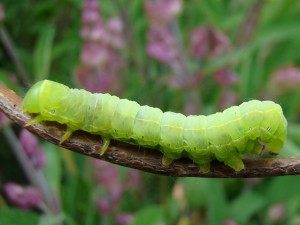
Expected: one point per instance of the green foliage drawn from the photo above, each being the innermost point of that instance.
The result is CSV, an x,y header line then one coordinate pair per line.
x,y
46,35
9,216
42,53
150,215
251,203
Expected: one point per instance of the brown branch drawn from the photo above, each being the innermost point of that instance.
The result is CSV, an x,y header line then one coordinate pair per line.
x,y
137,157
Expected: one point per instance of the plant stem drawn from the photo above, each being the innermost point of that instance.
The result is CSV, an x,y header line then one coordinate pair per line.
x,y
34,176
7,43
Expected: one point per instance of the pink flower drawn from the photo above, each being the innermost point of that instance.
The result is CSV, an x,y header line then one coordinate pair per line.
x,y
38,160
23,197
106,174
104,206
95,80
286,78
207,42
3,120
224,77
228,98
219,44
124,218
100,60
199,42
94,55
28,142
229,222
277,212
115,30
90,4
90,16
161,44
2,14
32,149
134,179
162,11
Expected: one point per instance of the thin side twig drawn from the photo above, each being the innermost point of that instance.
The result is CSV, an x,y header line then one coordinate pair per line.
x,y
137,157
21,72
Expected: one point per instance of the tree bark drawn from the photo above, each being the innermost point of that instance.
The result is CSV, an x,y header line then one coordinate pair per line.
x,y
138,157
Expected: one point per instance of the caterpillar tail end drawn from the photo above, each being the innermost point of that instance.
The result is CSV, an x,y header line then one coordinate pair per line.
x,y
67,135
166,161
37,119
106,142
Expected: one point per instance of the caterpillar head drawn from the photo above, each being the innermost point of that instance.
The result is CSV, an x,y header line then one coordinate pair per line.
x,y
31,102
44,93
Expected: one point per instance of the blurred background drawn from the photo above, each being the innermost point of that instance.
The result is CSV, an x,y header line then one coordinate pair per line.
x,y
194,57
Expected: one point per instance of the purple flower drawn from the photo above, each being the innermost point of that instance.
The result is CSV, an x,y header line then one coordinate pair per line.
x,y
277,212
90,16
134,179
3,120
106,174
124,218
199,43
100,61
208,42
229,222
228,98
219,44
90,4
28,142
23,197
104,206
162,11
162,44
93,55
115,25
38,159
32,149
95,33
95,80
285,79
2,14
115,30
224,77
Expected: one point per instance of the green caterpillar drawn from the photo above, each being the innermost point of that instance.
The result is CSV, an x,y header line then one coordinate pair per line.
x,y
223,136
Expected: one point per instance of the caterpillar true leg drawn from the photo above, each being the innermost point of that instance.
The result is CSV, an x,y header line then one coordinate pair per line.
x,y
67,135
37,119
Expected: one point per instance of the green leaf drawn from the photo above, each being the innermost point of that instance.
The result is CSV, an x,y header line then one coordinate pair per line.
x,y
42,53
195,191
282,189
53,169
217,206
249,203
9,216
52,220
151,215
290,148
293,132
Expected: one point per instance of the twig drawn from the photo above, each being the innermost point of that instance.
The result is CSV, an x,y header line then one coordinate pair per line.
x,y
133,156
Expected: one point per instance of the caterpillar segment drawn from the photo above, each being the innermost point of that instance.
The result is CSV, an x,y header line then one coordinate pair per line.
x,y
225,136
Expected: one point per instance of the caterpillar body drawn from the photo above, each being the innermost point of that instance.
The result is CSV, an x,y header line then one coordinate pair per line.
x,y
225,136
